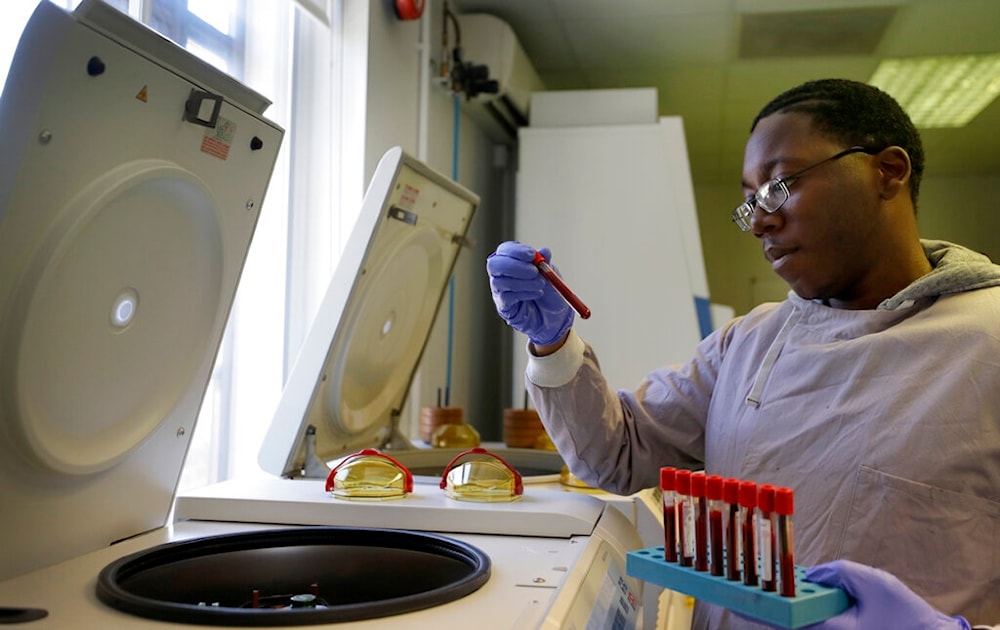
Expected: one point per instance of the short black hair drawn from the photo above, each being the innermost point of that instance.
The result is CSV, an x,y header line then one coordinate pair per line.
x,y
857,114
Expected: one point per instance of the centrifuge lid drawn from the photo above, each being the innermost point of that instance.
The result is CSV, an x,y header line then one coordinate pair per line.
x,y
352,375
130,185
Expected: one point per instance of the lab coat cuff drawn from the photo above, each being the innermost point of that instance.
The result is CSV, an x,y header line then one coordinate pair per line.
x,y
558,368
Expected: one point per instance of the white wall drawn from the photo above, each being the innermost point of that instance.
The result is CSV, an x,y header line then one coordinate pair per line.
x,y
597,196
963,210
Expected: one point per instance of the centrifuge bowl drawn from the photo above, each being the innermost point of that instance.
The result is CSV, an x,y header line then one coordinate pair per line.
x,y
354,573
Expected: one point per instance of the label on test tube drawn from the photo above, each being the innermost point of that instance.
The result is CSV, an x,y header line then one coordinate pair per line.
x,y
667,475
685,517
765,503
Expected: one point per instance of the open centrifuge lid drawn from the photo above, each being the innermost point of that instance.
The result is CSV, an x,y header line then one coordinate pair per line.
x,y
131,177
352,375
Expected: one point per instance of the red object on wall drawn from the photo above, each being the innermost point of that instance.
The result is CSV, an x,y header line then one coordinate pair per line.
x,y
409,9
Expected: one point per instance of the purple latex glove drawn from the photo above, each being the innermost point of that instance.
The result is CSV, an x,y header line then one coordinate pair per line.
x,y
523,297
881,601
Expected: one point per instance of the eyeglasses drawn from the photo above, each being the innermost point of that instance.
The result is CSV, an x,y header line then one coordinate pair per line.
x,y
774,193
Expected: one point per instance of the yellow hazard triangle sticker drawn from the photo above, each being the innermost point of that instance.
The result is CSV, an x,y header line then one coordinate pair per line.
x,y
142,95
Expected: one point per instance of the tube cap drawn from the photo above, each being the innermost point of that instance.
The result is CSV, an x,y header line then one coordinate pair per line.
x,y
713,487
784,502
765,497
683,481
698,484
731,490
667,475
748,494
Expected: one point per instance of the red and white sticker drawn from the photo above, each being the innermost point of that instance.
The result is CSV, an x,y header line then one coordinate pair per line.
x,y
218,140
408,199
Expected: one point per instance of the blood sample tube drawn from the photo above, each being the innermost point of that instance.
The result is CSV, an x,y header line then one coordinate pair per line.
x,y
748,524
667,475
734,546
550,274
784,506
700,502
713,490
685,518
765,537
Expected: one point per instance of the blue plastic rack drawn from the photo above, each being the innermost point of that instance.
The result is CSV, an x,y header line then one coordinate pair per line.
x,y
812,602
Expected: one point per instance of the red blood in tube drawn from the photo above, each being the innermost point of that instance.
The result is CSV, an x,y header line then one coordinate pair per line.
x,y
550,274
667,475
748,508
784,506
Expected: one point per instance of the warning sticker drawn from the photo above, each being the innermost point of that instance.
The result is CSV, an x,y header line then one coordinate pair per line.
x,y
218,140
409,197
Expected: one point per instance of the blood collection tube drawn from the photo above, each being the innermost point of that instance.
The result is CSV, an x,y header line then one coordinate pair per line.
x,y
765,537
700,503
784,506
550,274
667,475
734,546
685,518
713,491
748,524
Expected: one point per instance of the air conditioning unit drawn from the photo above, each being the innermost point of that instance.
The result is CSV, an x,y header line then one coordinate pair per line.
x,y
489,41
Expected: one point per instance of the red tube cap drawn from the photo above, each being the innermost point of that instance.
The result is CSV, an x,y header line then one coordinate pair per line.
x,y
683,481
667,474
713,487
765,497
731,490
748,494
784,501
698,484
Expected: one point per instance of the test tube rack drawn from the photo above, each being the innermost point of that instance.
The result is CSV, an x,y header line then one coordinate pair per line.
x,y
812,602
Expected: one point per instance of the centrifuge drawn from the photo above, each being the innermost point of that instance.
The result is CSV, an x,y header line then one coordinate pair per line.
x,y
131,177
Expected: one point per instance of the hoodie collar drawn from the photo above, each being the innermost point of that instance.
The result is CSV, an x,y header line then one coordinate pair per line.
x,y
955,270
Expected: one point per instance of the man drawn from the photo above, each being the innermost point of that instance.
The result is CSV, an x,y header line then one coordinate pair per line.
x,y
873,390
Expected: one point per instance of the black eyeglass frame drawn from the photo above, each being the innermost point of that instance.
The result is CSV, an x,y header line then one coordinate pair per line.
x,y
741,215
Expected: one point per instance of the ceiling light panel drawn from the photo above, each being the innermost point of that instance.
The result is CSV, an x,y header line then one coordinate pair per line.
x,y
941,91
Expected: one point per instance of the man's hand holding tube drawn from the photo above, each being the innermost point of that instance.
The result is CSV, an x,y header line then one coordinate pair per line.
x,y
525,299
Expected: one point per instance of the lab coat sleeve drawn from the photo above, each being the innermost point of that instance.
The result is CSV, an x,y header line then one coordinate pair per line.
x,y
617,440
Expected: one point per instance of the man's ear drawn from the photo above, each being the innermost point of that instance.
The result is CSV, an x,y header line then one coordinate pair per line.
x,y
894,171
